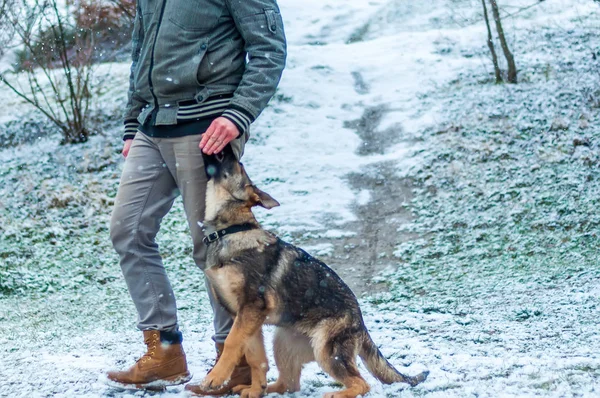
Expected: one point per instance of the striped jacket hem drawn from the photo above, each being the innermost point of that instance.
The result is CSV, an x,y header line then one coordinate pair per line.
x,y
211,108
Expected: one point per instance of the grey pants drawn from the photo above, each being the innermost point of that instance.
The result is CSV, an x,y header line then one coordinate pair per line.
x,y
156,171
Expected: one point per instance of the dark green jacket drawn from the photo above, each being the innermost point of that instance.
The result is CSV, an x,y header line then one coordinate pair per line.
x,y
193,49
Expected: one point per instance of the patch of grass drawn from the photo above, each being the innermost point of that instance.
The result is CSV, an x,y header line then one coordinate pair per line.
x,y
548,385
359,34
445,387
587,368
55,235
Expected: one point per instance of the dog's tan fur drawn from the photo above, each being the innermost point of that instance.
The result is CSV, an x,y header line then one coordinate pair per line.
x,y
263,280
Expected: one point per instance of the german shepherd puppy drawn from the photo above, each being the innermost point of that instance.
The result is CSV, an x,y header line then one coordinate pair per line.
x,y
260,280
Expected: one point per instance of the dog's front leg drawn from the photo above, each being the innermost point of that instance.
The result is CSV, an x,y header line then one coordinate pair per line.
x,y
259,364
246,324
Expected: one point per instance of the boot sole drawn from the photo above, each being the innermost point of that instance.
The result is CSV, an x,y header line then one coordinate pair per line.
x,y
156,385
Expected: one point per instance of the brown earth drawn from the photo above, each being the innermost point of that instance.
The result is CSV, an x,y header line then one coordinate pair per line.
x,y
357,259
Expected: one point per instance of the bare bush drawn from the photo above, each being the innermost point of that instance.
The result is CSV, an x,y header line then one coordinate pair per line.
x,y
111,23
127,7
58,45
6,30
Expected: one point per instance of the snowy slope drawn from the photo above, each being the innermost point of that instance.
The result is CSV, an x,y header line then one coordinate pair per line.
x,y
65,316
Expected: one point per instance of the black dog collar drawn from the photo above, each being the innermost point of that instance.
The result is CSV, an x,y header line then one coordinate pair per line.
x,y
210,238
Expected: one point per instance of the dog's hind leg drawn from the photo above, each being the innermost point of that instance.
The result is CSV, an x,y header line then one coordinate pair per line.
x,y
259,365
292,350
337,356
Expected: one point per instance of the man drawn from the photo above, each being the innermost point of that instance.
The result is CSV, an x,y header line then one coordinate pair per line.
x,y
202,72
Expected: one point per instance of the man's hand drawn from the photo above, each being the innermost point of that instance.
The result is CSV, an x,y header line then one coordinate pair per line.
x,y
126,147
220,133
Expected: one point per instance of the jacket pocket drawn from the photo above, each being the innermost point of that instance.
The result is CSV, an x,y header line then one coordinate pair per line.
x,y
262,26
192,16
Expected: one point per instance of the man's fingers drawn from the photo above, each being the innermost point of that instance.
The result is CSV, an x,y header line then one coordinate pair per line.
x,y
220,148
126,148
228,136
207,134
222,145
220,133
212,144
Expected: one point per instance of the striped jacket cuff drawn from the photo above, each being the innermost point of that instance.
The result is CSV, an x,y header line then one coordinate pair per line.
x,y
131,128
240,117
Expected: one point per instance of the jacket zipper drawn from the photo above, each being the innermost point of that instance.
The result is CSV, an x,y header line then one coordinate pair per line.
x,y
160,18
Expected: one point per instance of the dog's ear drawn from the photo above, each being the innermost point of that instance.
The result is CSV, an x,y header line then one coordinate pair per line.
x,y
264,199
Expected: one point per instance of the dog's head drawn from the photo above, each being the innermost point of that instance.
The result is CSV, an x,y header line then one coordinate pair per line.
x,y
229,184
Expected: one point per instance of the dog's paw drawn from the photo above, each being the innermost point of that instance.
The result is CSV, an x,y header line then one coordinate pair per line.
x,y
252,393
240,388
213,381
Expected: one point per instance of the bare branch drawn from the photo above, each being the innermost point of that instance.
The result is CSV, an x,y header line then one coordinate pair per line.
x,y
490,43
510,59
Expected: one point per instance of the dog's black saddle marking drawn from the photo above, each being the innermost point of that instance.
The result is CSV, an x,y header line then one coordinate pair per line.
x,y
215,236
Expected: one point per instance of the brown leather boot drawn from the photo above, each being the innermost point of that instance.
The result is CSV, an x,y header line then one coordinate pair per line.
x,y
162,365
241,376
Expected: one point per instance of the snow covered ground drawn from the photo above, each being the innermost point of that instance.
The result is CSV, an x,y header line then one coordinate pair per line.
x,y
497,296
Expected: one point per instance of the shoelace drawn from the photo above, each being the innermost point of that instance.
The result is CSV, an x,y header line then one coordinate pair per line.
x,y
148,355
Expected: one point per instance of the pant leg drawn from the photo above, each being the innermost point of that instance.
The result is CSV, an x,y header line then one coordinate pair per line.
x,y
185,161
146,194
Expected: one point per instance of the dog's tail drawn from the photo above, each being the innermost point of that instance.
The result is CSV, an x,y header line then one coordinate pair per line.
x,y
381,368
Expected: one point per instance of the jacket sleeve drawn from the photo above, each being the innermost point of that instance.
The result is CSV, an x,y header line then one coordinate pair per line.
x,y
260,25
134,106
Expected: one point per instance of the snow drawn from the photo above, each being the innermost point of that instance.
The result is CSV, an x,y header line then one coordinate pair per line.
x,y
497,296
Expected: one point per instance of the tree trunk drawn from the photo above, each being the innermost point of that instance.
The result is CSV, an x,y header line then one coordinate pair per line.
x,y
491,45
510,59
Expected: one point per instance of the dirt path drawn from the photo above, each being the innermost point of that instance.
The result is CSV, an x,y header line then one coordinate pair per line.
x,y
369,250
